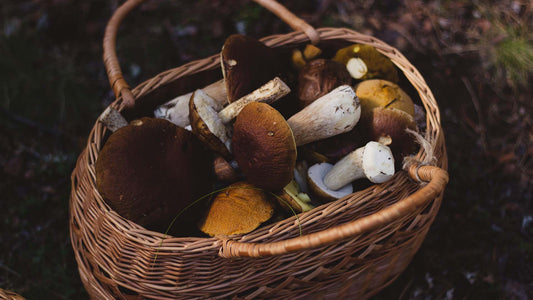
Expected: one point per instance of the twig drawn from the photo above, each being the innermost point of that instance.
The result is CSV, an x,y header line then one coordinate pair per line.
x,y
31,123
481,121
407,286
9,270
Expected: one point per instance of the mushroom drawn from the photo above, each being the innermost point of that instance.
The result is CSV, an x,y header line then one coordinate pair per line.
x,y
318,78
334,148
239,209
264,146
373,161
365,62
315,179
112,119
334,113
206,124
291,198
224,171
268,93
247,64
150,170
300,175
388,126
381,93
299,58
177,109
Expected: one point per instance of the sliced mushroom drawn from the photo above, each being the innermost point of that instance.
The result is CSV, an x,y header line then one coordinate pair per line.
x,y
151,170
177,109
381,93
247,64
239,209
320,77
334,113
315,179
268,93
264,146
373,161
292,198
206,124
365,62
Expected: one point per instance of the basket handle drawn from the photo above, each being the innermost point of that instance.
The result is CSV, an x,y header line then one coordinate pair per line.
x,y
114,73
437,177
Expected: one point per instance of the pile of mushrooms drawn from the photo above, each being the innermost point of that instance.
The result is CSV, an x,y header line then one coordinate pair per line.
x,y
276,136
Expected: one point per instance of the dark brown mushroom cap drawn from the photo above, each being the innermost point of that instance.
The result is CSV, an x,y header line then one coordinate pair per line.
x,y
264,147
247,64
150,170
336,147
238,209
391,123
319,77
224,171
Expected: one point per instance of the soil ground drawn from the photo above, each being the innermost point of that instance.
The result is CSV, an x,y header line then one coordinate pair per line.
x,y
476,56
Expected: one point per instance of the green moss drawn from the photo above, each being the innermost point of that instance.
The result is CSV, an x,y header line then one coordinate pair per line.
x,y
513,59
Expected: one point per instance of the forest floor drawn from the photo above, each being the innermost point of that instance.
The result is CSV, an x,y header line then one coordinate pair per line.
x,y
476,56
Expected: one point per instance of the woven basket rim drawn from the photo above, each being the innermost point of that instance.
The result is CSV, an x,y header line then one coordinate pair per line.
x,y
149,241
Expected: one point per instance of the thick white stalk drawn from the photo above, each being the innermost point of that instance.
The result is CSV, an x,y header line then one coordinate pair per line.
x,y
332,114
346,170
268,93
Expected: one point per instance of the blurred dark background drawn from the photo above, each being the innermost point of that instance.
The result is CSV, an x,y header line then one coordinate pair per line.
x,y
476,56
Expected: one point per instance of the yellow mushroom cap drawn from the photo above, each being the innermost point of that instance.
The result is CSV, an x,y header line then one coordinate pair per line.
x,y
239,209
382,93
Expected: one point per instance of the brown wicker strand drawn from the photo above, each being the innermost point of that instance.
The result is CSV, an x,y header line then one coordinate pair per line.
x,y
350,248
437,178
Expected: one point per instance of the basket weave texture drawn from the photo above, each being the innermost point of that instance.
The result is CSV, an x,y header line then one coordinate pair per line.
x,y
9,295
348,249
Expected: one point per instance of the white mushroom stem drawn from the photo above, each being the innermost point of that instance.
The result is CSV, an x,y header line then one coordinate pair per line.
x,y
268,93
356,67
334,113
316,174
112,119
373,161
177,109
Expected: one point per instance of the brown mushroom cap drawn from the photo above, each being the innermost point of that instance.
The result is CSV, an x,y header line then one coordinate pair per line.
x,y
390,124
150,170
247,64
382,93
239,209
224,171
336,147
319,77
264,146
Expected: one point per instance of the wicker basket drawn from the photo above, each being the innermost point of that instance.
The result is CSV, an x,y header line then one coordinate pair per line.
x,y
9,295
348,249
